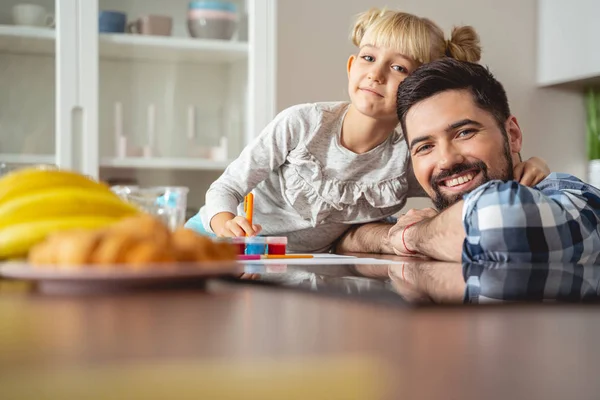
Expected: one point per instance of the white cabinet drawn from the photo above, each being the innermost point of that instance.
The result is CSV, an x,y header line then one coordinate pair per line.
x,y
90,101
30,80
568,43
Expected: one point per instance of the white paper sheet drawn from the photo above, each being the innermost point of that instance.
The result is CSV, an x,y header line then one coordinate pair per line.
x,y
321,261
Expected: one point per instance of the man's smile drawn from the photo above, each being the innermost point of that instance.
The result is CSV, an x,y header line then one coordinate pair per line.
x,y
460,182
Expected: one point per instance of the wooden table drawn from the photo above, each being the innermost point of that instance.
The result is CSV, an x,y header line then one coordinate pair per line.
x,y
533,352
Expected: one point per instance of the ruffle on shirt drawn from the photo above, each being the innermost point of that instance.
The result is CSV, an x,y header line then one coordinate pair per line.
x,y
320,200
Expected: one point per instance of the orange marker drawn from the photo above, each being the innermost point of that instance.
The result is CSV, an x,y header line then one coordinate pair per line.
x,y
249,207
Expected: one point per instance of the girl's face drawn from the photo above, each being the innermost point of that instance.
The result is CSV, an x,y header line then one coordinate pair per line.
x,y
373,78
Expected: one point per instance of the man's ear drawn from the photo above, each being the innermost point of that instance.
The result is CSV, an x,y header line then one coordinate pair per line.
x,y
515,136
350,62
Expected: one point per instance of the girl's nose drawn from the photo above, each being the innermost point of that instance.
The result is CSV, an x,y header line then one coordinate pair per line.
x,y
376,74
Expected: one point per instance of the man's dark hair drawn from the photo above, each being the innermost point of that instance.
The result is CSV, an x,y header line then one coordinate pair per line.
x,y
451,74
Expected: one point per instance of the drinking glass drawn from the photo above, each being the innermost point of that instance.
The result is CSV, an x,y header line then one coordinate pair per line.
x,y
168,203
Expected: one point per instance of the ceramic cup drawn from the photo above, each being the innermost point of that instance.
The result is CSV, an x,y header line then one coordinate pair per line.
x,y
159,25
112,21
32,15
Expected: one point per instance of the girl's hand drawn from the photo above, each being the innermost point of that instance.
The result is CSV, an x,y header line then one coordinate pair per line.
x,y
240,226
225,226
531,172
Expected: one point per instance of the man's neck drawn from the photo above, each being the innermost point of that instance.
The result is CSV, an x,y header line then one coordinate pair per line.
x,y
361,134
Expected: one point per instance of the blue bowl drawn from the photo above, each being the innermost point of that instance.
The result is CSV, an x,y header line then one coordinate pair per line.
x,y
212,5
112,21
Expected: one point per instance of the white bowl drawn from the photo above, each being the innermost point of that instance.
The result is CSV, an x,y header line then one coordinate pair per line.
x,y
212,28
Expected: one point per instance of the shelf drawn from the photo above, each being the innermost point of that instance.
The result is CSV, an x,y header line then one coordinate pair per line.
x,y
30,40
131,162
27,40
27,159
575,83
164,163
161,48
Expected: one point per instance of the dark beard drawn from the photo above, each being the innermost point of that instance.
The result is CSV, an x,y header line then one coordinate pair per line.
x,y
442,202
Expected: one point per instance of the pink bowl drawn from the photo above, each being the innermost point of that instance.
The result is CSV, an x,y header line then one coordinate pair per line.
x,y
211,14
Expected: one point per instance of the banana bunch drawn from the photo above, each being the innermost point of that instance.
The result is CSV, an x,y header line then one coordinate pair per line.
x,y
35,203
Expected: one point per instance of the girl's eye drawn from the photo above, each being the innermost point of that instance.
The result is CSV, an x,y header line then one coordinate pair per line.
x,y
368,58
400,68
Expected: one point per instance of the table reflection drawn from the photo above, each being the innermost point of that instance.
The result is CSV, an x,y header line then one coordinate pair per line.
x,y
420,281
531,282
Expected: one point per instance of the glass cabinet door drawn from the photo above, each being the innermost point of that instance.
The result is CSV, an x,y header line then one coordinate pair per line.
x,y
39,72
173,80
179,86
27,83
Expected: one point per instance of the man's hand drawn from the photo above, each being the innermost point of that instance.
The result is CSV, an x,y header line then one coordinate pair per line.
x,y
413,216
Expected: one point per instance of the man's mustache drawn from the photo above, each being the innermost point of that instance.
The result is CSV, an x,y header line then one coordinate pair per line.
x,y
457,169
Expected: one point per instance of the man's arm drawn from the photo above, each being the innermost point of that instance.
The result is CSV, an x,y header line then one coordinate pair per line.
x,y
367,238
508,222
437,281
440,237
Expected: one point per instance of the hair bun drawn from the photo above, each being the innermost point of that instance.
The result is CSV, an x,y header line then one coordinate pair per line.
x,y
463,44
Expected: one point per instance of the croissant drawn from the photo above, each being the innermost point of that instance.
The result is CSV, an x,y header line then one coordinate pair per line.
x,y
134,241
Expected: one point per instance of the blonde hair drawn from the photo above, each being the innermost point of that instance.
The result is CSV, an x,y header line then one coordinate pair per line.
x,y
418,38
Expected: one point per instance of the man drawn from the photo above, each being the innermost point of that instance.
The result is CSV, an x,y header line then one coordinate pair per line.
x,y
463,143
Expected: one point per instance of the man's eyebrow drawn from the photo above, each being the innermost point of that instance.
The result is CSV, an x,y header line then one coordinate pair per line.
x,y
453,126
461,123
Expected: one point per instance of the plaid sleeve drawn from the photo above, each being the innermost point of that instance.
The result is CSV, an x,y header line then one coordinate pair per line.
x,y
557,220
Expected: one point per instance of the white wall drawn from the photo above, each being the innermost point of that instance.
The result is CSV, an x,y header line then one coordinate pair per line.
x,y
313,47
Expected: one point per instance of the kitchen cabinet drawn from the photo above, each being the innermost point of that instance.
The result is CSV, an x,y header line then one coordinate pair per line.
x,y
30,80
99,102
567,44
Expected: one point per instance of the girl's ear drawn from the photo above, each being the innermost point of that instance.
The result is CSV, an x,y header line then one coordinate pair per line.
x,y
515,136
350,62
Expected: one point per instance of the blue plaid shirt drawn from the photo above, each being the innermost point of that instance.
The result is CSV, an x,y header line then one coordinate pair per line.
x,y
555,221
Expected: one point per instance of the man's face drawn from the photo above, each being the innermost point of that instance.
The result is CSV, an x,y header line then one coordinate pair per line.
x,y
456,146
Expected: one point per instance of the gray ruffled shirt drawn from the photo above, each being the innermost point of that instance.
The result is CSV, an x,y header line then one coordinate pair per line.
x,y
306,185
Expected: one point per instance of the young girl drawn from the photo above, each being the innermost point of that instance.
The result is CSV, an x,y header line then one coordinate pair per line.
x,y
318,168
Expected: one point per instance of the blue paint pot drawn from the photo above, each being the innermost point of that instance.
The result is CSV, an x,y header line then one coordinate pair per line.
x,y
256,245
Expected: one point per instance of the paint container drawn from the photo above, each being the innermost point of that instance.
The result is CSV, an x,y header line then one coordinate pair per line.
x,y
277,245
256,245
239,243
